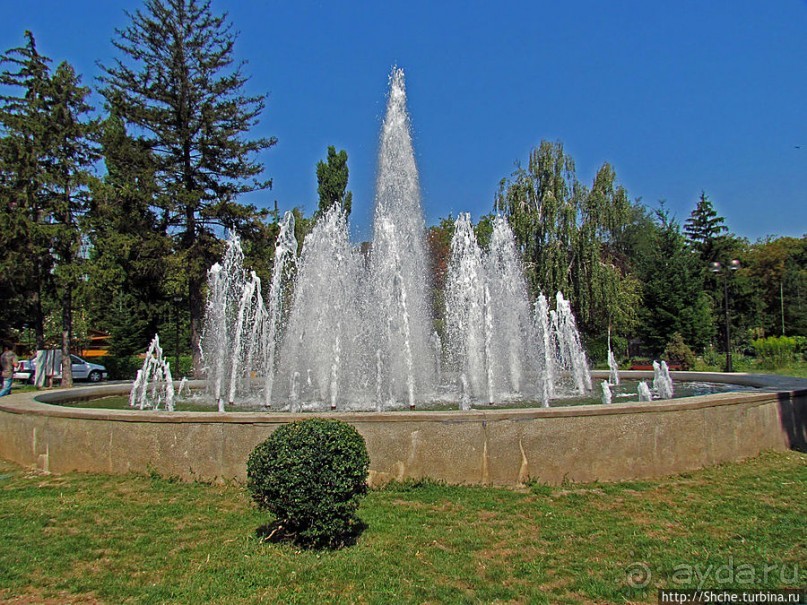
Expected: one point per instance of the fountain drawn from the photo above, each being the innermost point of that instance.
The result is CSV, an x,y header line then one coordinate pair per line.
x,y
153,386
339,328
607,396
346,330
613,367
662,382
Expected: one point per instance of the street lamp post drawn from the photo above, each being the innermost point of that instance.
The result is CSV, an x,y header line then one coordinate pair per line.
x,y
177,300
717,267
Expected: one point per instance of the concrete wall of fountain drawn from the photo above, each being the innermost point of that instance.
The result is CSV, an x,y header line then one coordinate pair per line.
x,y
499,447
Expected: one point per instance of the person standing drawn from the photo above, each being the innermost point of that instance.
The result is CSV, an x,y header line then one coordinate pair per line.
x,y
8,363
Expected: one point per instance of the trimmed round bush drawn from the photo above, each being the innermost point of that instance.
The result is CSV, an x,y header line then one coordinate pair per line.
x,y
312,476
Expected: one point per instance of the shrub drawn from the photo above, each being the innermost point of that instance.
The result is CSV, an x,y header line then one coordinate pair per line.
x,y
185,367
597,349
312,476
125,367
775,351
713,360
121,368
678,352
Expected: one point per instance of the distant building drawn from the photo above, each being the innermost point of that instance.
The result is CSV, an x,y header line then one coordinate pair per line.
x,y
98,344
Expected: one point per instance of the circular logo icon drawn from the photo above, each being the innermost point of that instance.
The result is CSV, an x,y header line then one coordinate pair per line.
x,y
638,575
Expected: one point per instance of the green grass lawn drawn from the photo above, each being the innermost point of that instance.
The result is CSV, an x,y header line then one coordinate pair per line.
x,y
752,366
794,369
136,539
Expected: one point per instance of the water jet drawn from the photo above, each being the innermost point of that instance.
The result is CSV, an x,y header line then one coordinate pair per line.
x,y
362,328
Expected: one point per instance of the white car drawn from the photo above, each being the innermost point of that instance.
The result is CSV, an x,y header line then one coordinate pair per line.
x,y
82,369
25,371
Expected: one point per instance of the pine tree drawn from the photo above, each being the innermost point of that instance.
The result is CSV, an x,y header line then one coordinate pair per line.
x,y
177,84
332,182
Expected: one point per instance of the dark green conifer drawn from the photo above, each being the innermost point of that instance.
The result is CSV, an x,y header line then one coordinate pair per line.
x,y
177,83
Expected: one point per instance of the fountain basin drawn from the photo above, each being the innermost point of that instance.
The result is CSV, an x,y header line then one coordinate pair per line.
x,y
616,442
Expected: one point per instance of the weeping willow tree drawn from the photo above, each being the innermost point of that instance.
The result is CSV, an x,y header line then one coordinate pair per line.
x,y
571,237
541,204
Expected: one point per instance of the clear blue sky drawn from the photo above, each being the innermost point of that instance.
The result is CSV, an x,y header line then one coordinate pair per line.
x,y
678,96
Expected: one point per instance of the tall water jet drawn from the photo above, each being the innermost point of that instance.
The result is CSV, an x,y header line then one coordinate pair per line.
x,y
234,310
250,315
572,355
323,320
276,312
513,335
465,309
216,330
546,344
488,324
398,262
394,333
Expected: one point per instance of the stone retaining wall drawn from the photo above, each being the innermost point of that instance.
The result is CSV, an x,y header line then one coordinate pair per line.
x,y
500,447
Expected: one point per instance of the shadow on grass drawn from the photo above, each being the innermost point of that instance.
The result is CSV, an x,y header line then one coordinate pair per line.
x,y
793,417
277,533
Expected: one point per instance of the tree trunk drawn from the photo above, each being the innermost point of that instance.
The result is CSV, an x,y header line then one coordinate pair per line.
x,y
39,321
196,303
67,330
196,280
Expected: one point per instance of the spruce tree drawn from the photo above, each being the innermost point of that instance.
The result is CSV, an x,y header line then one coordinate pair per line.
x,y
704,228
673,295
177,83
25,256
130,252
68,164
46,157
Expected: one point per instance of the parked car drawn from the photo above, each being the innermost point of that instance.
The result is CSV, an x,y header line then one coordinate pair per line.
x,y
82,369
25,371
